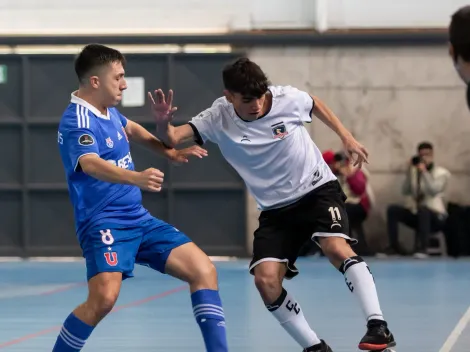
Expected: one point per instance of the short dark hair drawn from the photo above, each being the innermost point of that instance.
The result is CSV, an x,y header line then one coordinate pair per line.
x,y
425,145
246,78
459,33
94,56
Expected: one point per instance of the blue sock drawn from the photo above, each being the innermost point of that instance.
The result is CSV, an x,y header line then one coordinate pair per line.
x,y
207,308
73,335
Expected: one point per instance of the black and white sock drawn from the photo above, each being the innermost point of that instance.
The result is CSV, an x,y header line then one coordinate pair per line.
x,y
287,311
361,283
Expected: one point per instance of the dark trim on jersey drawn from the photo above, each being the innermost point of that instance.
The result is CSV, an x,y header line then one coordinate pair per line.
x,y
197,136
266,113
311,110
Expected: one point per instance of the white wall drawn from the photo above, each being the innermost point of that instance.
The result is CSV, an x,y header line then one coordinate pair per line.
x,y
391,14
159,16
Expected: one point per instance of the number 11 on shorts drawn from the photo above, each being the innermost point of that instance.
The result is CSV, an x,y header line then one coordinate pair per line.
x,y
334,212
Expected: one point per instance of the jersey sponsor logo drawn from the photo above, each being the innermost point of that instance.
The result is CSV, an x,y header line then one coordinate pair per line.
x,y
111,258
86,140
109,142
119,136
123,163
279,130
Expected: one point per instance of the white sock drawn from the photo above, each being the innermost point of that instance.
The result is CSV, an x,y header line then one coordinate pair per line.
x,y
287,311
360,282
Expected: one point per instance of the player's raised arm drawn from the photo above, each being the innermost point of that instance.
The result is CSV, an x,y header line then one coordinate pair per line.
x,y
328,117
162,111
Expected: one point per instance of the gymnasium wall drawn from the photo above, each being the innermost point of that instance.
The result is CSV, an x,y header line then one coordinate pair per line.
x,y
391,98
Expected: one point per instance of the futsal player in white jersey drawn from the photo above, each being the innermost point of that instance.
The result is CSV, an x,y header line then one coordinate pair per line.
x,y
459,48
259,130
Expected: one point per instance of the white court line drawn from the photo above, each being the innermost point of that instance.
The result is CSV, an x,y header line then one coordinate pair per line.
x,y
455,334
32,290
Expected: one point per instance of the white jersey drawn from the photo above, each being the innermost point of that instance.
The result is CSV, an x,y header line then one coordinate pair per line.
x,y
274,155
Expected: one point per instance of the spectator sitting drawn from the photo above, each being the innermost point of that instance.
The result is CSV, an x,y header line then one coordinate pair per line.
x,y
424,209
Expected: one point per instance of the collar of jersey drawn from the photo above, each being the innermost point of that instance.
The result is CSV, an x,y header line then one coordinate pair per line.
x,y
76,100
259,118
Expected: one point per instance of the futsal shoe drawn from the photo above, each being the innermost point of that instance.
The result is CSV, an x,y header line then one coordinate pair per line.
x,y
378,337
321,347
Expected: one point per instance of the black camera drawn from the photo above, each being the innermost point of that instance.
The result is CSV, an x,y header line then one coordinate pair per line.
x,y
416,160
340,157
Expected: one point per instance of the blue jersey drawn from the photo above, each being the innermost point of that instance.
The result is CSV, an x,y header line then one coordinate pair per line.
x,y
84,130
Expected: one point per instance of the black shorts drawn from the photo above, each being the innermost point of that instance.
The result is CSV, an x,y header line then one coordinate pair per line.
x,y
282,232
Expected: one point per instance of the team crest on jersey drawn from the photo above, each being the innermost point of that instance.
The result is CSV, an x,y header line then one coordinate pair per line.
x,y
109,142
279,130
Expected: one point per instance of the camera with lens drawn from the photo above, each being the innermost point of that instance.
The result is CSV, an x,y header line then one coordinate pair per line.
x,y
340,157
416,160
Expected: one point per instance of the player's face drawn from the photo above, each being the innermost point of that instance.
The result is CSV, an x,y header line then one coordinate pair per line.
x,y
248,108
112,84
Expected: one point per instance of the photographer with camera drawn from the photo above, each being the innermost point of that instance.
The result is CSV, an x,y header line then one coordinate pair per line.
x,y
424,209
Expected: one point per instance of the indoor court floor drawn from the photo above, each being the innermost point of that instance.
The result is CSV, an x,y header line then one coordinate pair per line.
x,y
426,303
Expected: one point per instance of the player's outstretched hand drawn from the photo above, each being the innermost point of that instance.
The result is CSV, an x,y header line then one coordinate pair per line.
x,y
182,156
356,151
162,109
149,180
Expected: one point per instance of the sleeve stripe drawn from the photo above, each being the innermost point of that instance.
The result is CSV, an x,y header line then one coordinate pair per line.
x,y
87,118
83,117
77,112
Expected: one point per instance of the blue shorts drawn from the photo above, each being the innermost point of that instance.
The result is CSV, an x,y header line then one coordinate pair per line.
x,y
115,248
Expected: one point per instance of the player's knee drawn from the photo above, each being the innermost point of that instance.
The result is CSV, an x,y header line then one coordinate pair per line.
x,y
267,279
337,249
103,293
103,302
204,274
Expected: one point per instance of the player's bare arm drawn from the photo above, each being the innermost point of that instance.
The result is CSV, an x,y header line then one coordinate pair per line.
x,y
328,117
94,166
162,111
139,134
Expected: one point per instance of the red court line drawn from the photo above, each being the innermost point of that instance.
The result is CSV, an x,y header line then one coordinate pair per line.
x,y
116,309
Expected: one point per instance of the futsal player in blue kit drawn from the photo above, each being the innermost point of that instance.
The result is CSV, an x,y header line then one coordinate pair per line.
x,y
113,228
